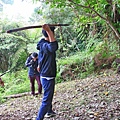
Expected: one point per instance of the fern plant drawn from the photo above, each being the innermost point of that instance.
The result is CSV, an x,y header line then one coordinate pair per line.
x,y
11,47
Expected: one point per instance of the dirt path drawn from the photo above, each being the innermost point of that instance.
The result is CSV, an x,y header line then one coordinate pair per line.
x,y
93,98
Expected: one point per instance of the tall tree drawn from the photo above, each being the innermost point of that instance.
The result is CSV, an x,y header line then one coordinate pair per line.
x,y
106,11
11,45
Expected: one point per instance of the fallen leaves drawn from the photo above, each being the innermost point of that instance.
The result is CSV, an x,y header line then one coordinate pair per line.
x,y
93,98
106,93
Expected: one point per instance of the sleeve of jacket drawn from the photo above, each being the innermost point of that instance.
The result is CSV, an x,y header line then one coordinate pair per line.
x,y
29,62
51,47
38,46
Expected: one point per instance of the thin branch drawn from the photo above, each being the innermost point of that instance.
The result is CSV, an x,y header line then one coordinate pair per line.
x,y
107,20
113,28
88,7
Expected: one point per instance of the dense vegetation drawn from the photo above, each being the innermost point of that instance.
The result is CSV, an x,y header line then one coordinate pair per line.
x,y
90,42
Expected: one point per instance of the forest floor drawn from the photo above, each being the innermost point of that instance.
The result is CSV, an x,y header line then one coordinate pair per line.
x,y
93,98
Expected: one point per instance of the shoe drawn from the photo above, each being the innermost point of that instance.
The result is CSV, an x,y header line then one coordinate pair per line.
x,y
48,115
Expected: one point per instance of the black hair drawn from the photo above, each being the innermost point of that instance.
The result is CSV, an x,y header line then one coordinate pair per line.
x,y
45,33
34,55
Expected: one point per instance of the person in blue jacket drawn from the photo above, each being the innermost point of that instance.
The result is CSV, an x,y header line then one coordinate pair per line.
x,y
32,64
47,47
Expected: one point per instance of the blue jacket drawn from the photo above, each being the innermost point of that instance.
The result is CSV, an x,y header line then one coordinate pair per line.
x,y
47,57
32,65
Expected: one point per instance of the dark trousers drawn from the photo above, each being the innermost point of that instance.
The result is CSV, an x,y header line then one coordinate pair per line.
x,y
32,84
46,106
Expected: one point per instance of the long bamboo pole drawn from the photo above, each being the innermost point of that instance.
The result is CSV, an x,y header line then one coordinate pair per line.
x,y
31,27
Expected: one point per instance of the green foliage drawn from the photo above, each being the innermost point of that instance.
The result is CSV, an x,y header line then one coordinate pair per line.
x,y
1,90
17,82
14,47
82,63
78,64
88,12
21,61
108,48
20,88
82,18
71,38
91,44
10,48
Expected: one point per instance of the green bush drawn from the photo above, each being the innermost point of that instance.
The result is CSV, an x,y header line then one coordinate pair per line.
x,y
16,82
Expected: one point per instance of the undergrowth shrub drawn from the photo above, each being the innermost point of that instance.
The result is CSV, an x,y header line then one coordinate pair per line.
x,y
17,82
105,54
98,55
72,67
